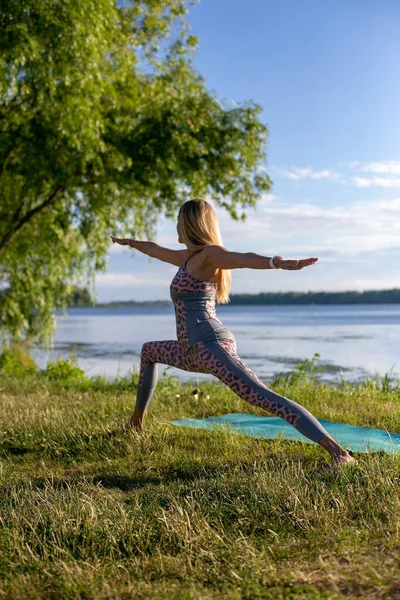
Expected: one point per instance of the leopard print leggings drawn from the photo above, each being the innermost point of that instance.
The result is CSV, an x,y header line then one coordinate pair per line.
x,y
220,359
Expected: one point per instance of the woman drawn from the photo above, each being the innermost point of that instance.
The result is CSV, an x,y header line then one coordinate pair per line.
x,y
204,345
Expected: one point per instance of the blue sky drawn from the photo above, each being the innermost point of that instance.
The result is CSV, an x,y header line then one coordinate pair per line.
x,y
327,75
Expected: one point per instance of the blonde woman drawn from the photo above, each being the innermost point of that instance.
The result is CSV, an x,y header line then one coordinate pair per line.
x,y
204,344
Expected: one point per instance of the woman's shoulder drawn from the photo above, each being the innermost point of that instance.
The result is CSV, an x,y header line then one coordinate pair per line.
x,y
206,251
213,251
206,255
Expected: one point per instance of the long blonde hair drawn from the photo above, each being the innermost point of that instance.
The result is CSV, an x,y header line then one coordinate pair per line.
x,y
200,228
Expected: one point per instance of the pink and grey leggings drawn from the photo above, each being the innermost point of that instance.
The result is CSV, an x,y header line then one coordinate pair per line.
x,y
219,358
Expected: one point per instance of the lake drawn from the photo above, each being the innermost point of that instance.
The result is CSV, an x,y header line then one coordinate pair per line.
x,y
354,341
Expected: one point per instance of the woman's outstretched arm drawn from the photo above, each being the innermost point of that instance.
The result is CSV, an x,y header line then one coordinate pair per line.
x,y
223,259
175,257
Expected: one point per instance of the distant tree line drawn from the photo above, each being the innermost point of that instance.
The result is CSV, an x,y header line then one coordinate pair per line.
x,y
81,297
367,297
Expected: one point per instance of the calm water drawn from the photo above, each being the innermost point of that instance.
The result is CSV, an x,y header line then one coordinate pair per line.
x,y
359,341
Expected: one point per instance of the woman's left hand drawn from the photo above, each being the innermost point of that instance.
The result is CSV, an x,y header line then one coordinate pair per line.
x,y
121,241
294,265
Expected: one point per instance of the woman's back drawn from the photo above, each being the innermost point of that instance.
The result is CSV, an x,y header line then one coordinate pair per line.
x,y
200,267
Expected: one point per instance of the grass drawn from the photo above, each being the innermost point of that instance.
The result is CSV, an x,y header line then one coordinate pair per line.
x,y
90,511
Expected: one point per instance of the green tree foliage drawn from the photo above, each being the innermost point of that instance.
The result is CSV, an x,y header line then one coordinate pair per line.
x,y
104,125
79,297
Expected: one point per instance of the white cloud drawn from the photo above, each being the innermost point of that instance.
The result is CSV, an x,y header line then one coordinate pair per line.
x,y
390,167
297,173
387,182
385,168
355,228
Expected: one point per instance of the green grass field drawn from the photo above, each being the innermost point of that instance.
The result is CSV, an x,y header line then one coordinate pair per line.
x,y
90,511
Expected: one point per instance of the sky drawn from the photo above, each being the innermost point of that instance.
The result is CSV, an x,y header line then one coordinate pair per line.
x,y
327,76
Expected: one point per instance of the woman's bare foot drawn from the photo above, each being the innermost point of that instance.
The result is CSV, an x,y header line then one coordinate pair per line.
x,y
339,460
136,420
339,455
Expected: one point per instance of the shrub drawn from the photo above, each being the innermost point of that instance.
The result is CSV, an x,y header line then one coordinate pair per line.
x,y
65,371
15,360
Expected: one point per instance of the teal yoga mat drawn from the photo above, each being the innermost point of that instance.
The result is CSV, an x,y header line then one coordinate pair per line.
x,y
357,439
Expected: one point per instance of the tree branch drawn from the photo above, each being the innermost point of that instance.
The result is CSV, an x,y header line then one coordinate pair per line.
x,y
6,161
9,236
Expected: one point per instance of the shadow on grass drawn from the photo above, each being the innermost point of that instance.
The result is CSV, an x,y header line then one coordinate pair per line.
x,y
168,475
10,450
120,482
125,483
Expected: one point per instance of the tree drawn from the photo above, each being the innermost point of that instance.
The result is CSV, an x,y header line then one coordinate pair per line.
x,y
79,297
104,124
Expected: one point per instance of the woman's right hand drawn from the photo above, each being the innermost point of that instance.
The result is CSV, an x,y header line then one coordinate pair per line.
x,y
293,265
